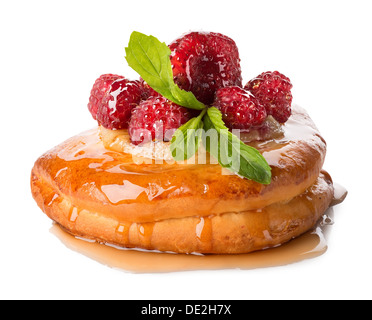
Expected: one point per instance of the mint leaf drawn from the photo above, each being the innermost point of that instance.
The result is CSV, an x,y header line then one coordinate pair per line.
x,y
150,58
232,153
186,139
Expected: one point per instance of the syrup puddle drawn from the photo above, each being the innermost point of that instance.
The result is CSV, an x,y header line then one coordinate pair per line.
x,y
310,245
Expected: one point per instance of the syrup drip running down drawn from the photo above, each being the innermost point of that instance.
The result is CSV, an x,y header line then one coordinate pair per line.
x,y
123,231
203,233
145,231
74,213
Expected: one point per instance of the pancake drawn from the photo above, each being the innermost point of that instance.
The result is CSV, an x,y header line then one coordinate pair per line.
x,y
94,188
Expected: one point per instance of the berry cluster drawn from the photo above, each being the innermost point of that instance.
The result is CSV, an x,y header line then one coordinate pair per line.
x,y
247,108
273,90
117,103
208,65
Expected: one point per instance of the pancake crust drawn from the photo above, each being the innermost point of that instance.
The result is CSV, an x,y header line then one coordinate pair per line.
x,y
99,192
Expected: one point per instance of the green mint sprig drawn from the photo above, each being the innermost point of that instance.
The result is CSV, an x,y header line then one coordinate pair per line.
x,y
150,58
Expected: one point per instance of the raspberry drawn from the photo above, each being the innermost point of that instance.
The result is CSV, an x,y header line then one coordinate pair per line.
x,y
273,90
156,118
112,100
203,62
239,108
148,92
100,89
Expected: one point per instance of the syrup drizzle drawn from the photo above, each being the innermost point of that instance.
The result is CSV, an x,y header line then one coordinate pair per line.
x,y
122,230
74,214
145,231
340,194
203,233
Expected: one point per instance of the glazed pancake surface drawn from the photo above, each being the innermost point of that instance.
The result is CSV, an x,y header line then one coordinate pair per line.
x,y
100,192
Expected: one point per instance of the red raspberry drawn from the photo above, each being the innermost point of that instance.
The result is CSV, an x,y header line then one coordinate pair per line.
x,y
273,90
156,119
203,62
112,100
148,92
100,89
239,108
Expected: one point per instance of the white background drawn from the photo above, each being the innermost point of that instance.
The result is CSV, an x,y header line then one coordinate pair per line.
x,y
51,53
